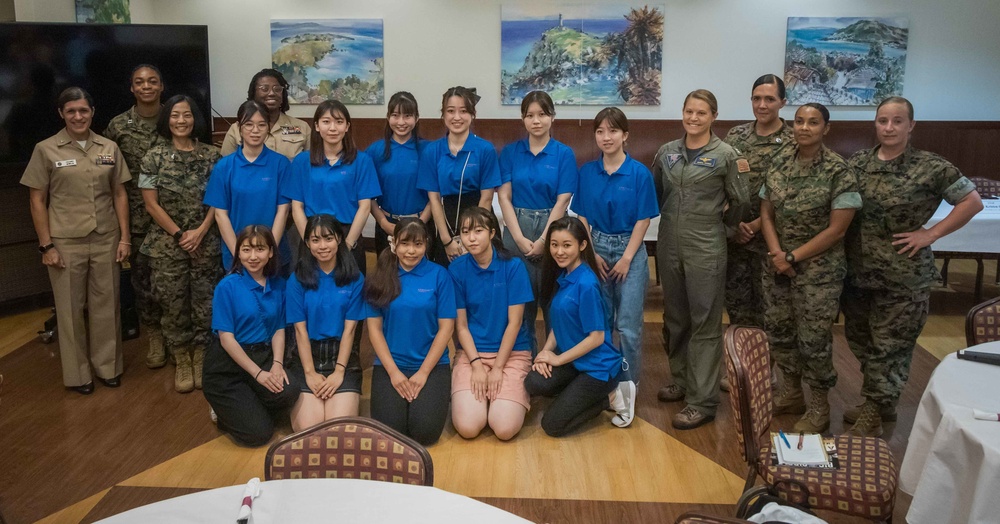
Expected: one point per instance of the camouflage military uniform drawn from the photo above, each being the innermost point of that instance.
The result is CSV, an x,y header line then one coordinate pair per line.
x,y
134,136
183,283
800,311
744,291
691,258
886,296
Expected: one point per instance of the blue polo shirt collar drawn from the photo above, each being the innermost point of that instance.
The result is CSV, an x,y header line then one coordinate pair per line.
x,y
624,169
549,148
252,284
265,155
571,277
466,147
409,144
492,268
421,269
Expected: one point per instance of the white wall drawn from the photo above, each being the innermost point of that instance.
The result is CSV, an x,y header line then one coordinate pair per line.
x,y
952,69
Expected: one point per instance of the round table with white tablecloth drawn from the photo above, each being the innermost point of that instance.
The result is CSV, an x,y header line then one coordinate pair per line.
x,y
322,500
952,461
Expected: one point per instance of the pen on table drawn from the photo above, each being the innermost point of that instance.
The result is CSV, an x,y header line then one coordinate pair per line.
x,y
784,438
802,437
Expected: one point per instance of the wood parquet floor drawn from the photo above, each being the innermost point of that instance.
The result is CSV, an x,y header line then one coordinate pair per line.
x,y
68,458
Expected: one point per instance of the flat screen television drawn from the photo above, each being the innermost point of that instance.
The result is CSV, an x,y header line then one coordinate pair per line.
x,y
39,60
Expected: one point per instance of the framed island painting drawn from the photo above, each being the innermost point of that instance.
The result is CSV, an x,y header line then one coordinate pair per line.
x,y
582,55
326,59
845,61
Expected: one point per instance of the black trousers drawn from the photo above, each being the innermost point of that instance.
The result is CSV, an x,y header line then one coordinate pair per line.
x,y
245,409
579,397
423,419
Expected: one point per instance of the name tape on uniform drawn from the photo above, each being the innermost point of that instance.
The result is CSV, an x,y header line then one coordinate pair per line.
x,y
66,163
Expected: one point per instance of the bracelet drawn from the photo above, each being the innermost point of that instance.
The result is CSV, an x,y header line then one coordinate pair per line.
x,y
475,359
280,363
448,243
258,373
124,243
178,234
341,365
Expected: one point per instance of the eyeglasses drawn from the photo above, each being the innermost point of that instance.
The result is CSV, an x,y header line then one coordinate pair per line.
x,y
276,89
250,126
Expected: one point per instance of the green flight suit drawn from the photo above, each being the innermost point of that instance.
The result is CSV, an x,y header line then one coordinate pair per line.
x,y
691,255
887,295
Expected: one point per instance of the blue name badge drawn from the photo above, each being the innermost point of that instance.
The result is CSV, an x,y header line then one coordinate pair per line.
x,y
704,161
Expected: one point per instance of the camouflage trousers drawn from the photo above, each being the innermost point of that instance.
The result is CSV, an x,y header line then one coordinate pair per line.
x,y
798,320
882,327
142,286
184,288
744,288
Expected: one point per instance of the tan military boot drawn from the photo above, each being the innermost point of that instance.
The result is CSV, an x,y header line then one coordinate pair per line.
x,y
868,422
817,417
790,399
183,374
886,411
197,362
156,357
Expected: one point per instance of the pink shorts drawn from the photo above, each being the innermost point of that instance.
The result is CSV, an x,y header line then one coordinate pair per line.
x,y
512,388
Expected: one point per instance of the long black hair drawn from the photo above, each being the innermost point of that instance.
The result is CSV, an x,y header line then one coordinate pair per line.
x,y
345,270
405,103
551,270
382,285
349,149
474,216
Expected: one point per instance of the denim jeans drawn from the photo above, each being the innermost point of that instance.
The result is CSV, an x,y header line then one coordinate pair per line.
x,y
532,222
625,299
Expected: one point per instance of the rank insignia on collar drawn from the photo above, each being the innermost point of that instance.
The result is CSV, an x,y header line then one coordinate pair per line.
x,y
777,140
704,161
672,159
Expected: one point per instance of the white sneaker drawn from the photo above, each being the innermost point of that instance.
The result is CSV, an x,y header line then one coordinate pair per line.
x,y
213,416
625,406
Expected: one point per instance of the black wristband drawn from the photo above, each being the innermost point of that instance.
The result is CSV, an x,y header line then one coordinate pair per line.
x,y
178,234
341,365
261,370
46,247
475,359
280,363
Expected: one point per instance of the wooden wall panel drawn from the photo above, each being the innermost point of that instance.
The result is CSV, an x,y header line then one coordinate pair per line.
x,y
972,146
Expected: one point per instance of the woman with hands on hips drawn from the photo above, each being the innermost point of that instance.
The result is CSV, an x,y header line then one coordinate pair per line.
x,y
323,301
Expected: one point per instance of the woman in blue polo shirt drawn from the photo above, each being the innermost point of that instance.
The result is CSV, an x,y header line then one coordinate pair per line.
x,y
332,178
616,200
323,301
410,322
458,171
397,161
491,289
539,178
577,365
244,379
245,186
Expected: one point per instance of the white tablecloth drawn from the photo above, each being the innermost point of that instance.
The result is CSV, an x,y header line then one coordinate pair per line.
x,y
952,461
980,235
322,500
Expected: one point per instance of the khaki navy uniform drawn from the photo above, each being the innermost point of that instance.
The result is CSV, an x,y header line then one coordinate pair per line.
x,y
289,136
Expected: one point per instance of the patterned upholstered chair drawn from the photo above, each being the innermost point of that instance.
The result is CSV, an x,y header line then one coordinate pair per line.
x,y
865,483
982,324
350,447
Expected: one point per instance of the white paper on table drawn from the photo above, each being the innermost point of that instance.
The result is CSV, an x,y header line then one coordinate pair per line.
x,y
249,493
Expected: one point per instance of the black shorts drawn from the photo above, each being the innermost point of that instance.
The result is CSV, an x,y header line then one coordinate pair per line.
x,y
324,354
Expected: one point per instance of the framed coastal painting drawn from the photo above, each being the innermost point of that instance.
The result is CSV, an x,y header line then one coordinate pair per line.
x,y
103,11
846,61
330,59
582,55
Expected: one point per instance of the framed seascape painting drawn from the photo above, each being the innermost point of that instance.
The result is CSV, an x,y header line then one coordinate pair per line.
x,y
845,61
327,59
582,55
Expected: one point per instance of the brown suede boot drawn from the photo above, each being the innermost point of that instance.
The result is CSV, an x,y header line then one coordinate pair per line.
x,y
868,423
817,417
197,361
886,411
184,373
156,357
790,399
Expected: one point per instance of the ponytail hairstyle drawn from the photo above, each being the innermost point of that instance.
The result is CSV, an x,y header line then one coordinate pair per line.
x,y
336,108
474,216
256,236
307,269
551,270
402,102
382,285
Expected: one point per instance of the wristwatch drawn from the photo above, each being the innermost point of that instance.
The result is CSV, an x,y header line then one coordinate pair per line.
x,y
789,257
46,247
178,235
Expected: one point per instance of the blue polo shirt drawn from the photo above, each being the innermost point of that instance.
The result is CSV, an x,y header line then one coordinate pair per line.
x,y
410,322
250,192
325,308
576,311
441,171
537,180
398,176
335,189
613,203
251,312
485,295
